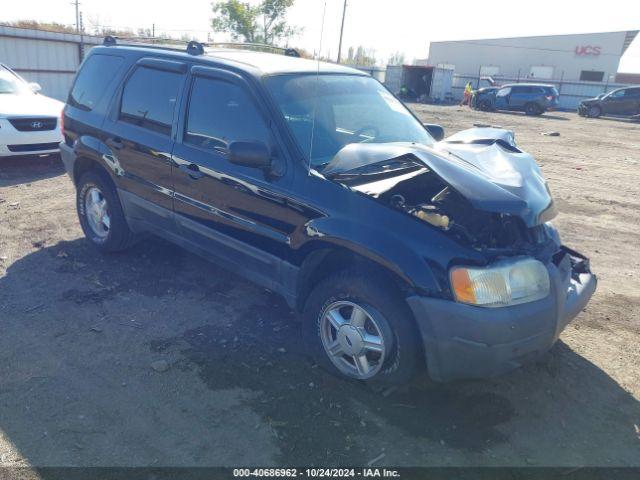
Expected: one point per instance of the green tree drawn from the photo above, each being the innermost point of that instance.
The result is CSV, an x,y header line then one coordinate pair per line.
x,y
262,23
361,56
397,58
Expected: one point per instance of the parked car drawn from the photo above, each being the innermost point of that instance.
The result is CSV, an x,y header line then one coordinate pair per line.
x,y
28,120
484,98
622,101
531,98
314,181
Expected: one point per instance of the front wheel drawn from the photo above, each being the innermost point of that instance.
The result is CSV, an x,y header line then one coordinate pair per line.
x,y
594,111
100,213
358,327
485,106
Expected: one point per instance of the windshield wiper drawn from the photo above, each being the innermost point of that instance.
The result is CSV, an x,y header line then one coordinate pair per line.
x,y
389,168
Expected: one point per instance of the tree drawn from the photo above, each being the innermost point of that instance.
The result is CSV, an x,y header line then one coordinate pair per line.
x,y
261,23
397,59
48,26
361,56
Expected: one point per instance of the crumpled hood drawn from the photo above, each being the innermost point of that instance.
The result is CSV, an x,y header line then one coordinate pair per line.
x,y
482,164
29,105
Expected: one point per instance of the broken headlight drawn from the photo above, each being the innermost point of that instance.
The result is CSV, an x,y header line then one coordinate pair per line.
x,y
503,283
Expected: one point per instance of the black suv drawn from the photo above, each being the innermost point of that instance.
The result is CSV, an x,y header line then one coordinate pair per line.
x,y
622,101
316,182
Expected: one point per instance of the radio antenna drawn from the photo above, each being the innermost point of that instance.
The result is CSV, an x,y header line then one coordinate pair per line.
x,y
315,96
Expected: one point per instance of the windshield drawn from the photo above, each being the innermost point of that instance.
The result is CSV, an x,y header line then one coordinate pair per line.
x,y
11,84
347,109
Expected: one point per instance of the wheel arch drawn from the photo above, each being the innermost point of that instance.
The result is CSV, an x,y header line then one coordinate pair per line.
x,y
83,164
322,260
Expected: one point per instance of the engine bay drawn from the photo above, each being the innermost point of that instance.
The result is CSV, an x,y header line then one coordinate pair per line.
x,y
419,192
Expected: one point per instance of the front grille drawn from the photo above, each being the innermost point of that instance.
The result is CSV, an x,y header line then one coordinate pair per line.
x,y
33,147
34,124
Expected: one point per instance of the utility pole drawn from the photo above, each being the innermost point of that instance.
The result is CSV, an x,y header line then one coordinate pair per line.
x,y
344,14
153,30
81,38
76,3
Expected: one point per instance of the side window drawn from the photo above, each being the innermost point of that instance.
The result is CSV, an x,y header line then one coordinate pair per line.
x,y
634,92
149,99
220,113
503,92
97,72
518,90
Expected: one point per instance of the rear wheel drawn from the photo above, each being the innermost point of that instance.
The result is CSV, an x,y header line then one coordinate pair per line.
x,y
358,327
100,213
594,111
533,109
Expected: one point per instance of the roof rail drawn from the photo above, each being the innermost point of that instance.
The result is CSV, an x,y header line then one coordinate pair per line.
x,y
193,47
261,47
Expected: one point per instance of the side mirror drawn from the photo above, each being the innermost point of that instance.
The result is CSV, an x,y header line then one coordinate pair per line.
x,y
436,131
35,87
250,154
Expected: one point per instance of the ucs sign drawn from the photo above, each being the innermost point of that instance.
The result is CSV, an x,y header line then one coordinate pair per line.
x,y
588,50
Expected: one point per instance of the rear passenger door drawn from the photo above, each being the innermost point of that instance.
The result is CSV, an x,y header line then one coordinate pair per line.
x,y
139,135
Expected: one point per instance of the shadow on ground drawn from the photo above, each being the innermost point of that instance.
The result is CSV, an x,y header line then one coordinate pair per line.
x,y
235,335
26,169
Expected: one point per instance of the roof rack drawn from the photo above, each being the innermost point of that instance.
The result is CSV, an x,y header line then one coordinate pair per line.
x,y
193,47
260,47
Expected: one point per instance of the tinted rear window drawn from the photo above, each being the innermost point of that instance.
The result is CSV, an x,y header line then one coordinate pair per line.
x,y
95,76
149,99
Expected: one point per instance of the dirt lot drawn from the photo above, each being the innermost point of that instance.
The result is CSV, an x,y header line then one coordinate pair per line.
x,y
80,334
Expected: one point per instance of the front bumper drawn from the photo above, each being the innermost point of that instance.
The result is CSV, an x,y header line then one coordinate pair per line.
x,y
15,142
464,341
583,109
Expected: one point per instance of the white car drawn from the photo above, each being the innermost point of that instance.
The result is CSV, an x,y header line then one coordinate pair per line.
x,y
29,121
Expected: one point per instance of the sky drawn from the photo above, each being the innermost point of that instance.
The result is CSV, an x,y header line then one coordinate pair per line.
x,y
405,26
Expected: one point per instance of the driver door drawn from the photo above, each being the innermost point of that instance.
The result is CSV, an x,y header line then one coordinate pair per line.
x,y
503,96
237,214
616,103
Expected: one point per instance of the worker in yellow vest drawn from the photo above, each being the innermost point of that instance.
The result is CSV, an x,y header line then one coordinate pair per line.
x,y
468,91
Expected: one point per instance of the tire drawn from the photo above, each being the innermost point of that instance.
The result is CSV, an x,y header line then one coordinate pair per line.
x,y
388,318
485,106
116,236
594,111
533,109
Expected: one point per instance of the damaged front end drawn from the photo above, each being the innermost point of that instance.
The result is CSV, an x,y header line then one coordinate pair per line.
x,y
476,186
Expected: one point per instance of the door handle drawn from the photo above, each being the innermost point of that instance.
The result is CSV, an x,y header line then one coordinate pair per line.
x,y
115,143
192,170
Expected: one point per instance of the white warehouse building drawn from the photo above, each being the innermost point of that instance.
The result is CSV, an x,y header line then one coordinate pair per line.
x,y
589,57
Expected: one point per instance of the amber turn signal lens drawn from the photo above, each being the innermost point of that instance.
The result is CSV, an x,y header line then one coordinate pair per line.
x,y
462,285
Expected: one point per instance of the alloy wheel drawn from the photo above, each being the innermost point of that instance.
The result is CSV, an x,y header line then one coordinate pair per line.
x,y
352,339
97,212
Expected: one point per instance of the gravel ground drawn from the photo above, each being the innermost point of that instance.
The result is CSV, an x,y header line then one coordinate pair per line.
x,y
156,358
